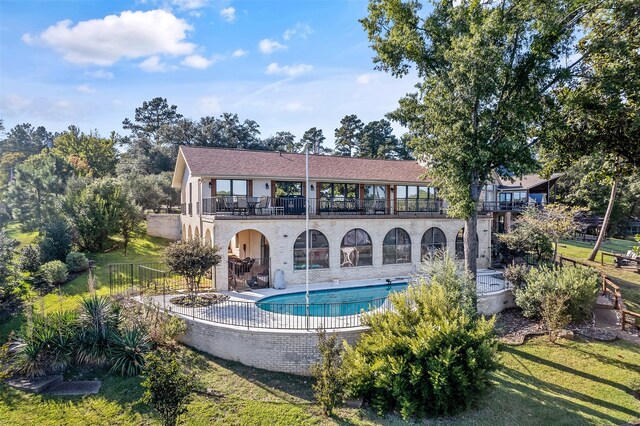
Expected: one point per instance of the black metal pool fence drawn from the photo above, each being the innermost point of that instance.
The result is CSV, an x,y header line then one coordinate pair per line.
x,y
153,282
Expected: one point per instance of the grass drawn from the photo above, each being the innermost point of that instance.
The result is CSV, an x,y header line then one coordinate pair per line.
x,y
628,280
24,238
538,383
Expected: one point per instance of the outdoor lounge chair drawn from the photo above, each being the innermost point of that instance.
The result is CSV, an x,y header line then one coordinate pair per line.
x,y
243,206
263,204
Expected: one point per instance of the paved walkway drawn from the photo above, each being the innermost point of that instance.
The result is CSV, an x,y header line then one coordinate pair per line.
x,y
607,318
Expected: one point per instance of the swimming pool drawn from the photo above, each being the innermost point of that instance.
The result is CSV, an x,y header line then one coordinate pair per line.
x,y
331,302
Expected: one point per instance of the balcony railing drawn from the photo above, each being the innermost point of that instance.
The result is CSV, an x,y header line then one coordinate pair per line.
x,y
337,206
512,206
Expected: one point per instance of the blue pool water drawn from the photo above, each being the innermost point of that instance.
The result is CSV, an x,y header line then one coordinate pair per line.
x,y
332,302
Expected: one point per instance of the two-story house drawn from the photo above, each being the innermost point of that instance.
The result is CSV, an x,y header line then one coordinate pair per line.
x,y
368,218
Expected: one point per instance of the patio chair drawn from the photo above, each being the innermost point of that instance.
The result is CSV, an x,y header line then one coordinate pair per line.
x,y
263,204
229,204
243,206
379,206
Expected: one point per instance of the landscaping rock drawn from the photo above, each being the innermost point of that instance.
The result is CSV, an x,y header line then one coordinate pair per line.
x,y
354,403
86,387
35,385
566,334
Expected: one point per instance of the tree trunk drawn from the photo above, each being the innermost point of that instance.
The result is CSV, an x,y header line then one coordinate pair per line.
x,y
605,222
471,245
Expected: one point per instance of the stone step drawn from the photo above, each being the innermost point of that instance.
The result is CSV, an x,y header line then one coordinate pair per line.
x,y
35,385
605,318
604,302
86,387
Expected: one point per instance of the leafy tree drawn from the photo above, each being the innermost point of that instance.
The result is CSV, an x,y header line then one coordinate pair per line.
x,y
98,153
485,69
192,259
315,140
99,211
377,140
9,285
348,135
145,157
55,239
329,383
8,163
282,141
598,108
129,221
26,139
38,184
167,388
228,132
150,117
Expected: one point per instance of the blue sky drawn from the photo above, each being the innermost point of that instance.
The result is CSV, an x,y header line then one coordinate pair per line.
x,y
289,65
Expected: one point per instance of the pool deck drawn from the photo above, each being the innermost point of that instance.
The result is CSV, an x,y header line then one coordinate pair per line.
x,y
251,316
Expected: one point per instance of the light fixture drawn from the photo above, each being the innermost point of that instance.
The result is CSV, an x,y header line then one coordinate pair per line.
x,y
313,188
210,184
266,185
393,188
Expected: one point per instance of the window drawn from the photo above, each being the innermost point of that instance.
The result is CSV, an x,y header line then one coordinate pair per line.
x,y
356,249
339,190
433,244
396,247
460,244
288,189
375,191
417,199
318,251
231,187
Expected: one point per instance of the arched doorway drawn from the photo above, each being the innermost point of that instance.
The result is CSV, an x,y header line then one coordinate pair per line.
x,y
249,260
196,234
189,234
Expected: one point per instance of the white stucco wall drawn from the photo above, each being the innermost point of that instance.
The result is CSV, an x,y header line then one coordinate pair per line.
x,y
164,225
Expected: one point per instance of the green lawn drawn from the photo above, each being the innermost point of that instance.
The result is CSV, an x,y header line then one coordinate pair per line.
x,y
538,383
628,280
24,238
571,383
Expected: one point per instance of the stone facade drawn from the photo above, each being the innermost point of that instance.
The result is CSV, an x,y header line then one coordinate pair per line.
x,y
287,351
164,226
281,233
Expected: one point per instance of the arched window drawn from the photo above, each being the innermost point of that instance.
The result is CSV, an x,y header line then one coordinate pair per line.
x,y
356,249
190,234
318,251
396,247
460,244
433,244
196,234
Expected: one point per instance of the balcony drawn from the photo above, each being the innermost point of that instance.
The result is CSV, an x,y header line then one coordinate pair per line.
x,y
501,206
242,206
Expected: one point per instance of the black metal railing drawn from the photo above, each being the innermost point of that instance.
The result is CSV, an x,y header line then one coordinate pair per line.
x,y
488,283
416,205
512,206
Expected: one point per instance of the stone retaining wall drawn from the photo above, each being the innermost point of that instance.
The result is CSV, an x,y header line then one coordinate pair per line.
x,y
287,351
164,226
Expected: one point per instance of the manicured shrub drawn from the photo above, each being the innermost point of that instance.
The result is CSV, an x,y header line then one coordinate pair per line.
x,y
54,272
55,240
329,383
167,388
191,259
553,310
77,262
578,284
426,356
30,259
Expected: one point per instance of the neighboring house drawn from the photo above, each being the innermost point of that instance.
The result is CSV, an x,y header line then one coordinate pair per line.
x,y
368,218
507,197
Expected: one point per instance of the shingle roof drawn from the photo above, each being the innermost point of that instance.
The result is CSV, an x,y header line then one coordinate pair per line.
x,y
269,164
526,181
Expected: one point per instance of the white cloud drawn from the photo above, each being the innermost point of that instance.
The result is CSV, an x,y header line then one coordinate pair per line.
x,y
366,78
209,105
85,88
239,53
301,30
188,4
296,106
288,70
107,75
130,35
228,14
197,61
153,64
63,104
15,103
267,46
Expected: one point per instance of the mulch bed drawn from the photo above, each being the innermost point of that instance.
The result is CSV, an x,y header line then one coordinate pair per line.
x,y
512,328
200,301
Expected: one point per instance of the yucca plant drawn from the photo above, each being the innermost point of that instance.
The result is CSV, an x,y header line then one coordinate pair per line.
x,y
99,321
129,351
